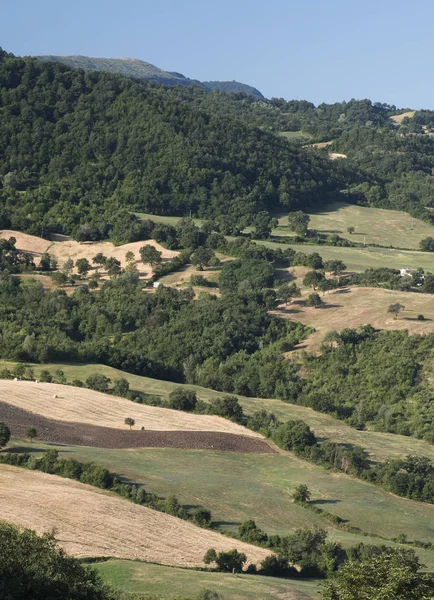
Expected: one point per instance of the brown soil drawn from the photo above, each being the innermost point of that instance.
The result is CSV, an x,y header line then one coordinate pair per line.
x,y
81,434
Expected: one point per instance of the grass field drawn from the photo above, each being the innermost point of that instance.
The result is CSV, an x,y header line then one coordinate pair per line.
x,y
237,487
359,259
81,405
351,307
294,135
92,522
380,446
372,225
163,219
171,582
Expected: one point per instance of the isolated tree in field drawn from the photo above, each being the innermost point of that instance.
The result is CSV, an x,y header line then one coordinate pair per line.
x,y
210,556
392,574
325,285
288,291
31,433
228,407
121,387
5,434
59,278
68,266
298,222
181,399
83,266
98,382
351,229
130,256
395,309
130,422
150,255
301,493
312,279
202,257
99,259
314,300
335,266
427,244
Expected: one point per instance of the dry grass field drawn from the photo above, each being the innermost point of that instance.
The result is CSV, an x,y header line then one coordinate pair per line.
x,y
80,405
92,522
351,307
398,119
63,247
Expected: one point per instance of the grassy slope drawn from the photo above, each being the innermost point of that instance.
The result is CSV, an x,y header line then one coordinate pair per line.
x,y
380,445
373,225
169,582
240,487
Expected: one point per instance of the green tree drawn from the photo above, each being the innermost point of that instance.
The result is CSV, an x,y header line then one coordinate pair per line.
x,y
229,408
98,382
121,387
301,493
351,229
294,435
314,300
182,399
393,574
427,244
33,567
130,256
202,257
130,422
231,561
83,266
31,433
99,259
395,309
68,266
5,434
312,279
335,266
298,222
60,278
150,255
288,291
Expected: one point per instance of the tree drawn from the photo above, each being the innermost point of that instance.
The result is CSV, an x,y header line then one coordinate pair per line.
x,y
301,493
395,309
288,291
312,279
83,266
392,574
99,259
314,300
427,244
202,517
130,256
182,399
98,382
130,422
229,408
121,387
351,229
202,257
20,370
325,285
335,266
210,556
31,433
5,434
298,221
150,255
68,266
294,435
59,278
231,561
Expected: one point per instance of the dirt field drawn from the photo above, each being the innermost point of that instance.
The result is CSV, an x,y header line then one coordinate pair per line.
x,y
80,405
79,434
91,522
351,307
63,247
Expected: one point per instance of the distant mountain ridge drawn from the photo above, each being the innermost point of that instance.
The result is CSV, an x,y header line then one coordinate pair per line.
x,y
140,69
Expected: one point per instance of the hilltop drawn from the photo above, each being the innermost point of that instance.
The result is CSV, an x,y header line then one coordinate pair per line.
x,y
133,67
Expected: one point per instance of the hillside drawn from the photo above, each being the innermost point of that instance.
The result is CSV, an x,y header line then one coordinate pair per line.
x,y
91,522
139,69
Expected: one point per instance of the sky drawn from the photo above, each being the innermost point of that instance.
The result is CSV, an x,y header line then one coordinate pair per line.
x,y
322,51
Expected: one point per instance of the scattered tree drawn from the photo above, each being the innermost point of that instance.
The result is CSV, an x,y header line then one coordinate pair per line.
x,y
314,300
68,266
395,309
301,493
335,266
5,434
98,382
427,244
312,279
288,291
130,256
121,387
182,399
99,259
231,561
59,278
351,229
83,266
31,434
202,257
130,422
150,255
298,221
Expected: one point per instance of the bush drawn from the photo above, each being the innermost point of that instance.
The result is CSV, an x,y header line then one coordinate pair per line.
x,y
294,435
181,399
98,382
420,317
229,408
5,434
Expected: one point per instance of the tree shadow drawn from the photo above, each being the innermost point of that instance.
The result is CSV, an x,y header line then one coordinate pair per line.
x,y
343,291
226,524
23,450
325,306
325,501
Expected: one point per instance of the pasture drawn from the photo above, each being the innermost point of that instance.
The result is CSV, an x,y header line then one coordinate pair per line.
x,y
352,307
171,582
237,487
372,225
380,446
92,522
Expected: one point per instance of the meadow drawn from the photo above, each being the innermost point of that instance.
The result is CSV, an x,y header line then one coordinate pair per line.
x,y
171,582
380,446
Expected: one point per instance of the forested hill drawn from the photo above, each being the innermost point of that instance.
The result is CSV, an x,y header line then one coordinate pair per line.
x,y
77,146
140,69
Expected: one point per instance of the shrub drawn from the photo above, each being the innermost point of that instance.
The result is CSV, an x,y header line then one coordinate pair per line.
x,y
98,382
294,435
181,399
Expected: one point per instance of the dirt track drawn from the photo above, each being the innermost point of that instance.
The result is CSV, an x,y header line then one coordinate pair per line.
x,y
81,434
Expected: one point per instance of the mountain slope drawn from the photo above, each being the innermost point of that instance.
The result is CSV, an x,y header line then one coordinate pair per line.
x,y
133,67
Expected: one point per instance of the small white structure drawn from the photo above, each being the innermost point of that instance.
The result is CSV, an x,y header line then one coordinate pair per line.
x,y
36,380
407,272
55,396
157,284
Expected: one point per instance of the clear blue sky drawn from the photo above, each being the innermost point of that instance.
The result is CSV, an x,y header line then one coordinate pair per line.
x,y
320,50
